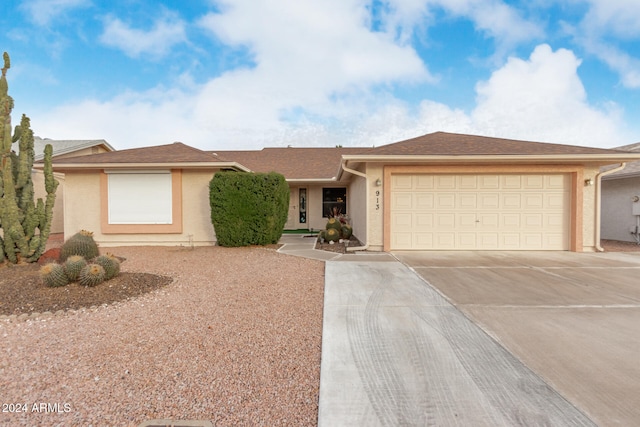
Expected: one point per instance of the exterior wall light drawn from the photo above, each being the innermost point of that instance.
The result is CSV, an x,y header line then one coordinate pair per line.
x,y
378,182
588,182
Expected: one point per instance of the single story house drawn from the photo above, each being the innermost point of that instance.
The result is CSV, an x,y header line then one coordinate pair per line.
x,y
440,191
621,201
61,149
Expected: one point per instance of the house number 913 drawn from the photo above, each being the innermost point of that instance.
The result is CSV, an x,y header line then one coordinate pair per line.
x,y
377,200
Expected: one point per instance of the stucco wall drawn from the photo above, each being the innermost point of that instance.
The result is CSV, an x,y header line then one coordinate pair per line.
x,y
376,208
82,211
589,209
356,193
617,203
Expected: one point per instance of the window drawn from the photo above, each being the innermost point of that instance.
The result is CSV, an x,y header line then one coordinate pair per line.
x,y
141,202
140,198
334,201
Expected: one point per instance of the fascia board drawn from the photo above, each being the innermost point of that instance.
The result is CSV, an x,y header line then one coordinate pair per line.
x,y
519,158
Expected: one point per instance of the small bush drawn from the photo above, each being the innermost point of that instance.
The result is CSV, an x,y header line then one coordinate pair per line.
x,y
248,208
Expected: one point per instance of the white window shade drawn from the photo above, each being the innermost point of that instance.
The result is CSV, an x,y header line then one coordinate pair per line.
x,y
140,198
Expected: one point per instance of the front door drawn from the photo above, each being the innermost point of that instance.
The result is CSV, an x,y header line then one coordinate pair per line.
x,y
297,209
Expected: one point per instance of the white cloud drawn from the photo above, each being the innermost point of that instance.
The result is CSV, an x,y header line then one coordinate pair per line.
x,y
495,18
167,31
539,99
605,24
42,12
307,54
617,17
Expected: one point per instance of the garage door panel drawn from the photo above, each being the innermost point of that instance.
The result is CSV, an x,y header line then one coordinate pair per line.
x,y
403,221
508,212
445,220
489,182
445,240
445,200
511,181
512,201
467,182
402,201
467,241
422,220
533,201
467,201
467,220
399,182
424,182
489,201
424,201
510,220
533,182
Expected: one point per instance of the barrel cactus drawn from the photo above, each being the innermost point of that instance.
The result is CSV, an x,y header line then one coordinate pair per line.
x,y
53,275
73,266
91,275
332,235
347,231
82,244
111,265
334,224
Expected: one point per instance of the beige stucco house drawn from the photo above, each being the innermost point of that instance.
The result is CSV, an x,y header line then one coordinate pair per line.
x,y
440,191
61,149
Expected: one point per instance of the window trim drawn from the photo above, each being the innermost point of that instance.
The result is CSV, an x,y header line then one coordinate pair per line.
x,y
176,195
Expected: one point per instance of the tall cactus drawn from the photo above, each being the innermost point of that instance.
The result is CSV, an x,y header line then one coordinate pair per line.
x,y
25,225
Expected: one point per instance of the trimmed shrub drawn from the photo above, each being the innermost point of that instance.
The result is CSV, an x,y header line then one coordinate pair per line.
x,y
53,275
73,266
82,244
248,208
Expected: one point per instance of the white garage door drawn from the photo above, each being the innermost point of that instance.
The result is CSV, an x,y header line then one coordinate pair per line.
x,y
468,212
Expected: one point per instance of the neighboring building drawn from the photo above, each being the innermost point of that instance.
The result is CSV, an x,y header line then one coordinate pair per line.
x,y
621,201
440,191
61,149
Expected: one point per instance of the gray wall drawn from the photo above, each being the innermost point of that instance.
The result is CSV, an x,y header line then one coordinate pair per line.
x,y
617,215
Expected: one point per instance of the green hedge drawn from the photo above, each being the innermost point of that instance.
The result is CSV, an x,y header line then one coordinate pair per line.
x,y
248,208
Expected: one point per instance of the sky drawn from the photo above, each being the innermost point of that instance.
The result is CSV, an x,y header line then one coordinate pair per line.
x,y
247,74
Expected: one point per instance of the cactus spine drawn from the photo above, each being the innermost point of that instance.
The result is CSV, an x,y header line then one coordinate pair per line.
x,y
73,266
26,225
82,244
91,275
53,275
111,265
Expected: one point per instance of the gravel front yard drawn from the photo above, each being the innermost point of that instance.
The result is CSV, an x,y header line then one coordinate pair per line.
x,y
235,339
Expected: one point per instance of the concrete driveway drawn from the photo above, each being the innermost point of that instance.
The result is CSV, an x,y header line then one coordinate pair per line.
x,y
573,319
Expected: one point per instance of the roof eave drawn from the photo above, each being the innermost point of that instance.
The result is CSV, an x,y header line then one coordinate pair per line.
x,y
491,158
172,165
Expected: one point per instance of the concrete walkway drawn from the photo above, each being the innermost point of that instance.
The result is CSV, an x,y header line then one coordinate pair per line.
x,y
303,245
396,353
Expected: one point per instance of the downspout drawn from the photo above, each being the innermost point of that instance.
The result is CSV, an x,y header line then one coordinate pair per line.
x,y
599,201
366,203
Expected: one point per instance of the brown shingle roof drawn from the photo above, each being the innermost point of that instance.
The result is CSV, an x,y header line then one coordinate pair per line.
x,y
632,169
170,153
293,163
452,144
